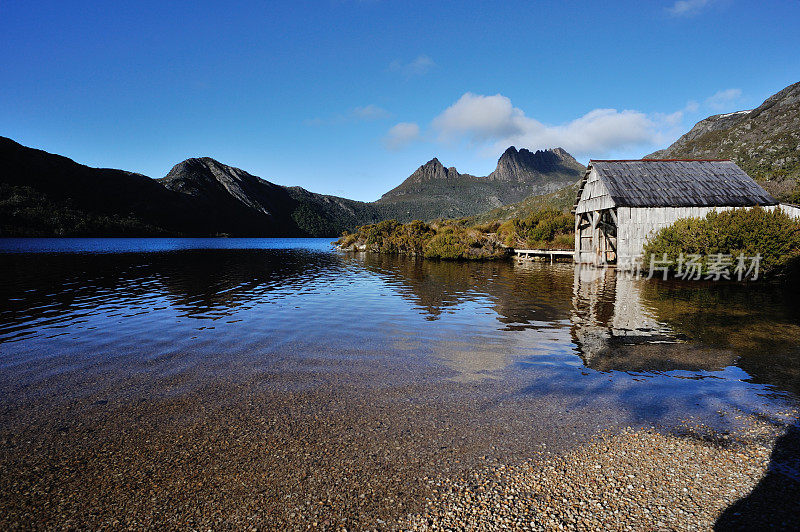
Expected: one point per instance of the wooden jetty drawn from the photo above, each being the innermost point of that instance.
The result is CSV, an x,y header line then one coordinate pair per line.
x,y
552,254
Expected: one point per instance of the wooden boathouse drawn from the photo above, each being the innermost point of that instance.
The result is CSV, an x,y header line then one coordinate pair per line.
x,y
620,203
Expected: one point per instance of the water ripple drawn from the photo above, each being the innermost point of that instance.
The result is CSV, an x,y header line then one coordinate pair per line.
x,y
267,302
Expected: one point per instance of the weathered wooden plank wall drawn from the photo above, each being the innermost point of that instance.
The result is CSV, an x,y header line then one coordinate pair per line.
x,y
637,224
595,195
791,210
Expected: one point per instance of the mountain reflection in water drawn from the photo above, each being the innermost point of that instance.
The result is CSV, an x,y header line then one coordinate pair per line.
x,y
265,307
614,322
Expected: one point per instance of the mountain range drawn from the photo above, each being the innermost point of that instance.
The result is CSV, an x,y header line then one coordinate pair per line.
x,y
42,194
434,192
764,142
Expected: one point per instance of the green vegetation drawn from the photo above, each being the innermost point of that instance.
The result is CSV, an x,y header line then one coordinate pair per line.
x,y
772,234
764,143
453,242
437,240
456,240
775,165
311,222
546,229
390,236
794,198
25,212
561,200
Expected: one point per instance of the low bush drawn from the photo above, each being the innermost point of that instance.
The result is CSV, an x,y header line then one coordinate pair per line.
x,y
438,240
456,239
389,236
546,229
452,242
772,234
448,244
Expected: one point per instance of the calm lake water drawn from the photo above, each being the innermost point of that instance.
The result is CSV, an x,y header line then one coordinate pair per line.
x,y
187,341
118,306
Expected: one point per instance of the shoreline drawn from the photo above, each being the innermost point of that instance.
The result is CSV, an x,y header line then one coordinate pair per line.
x,y
145,398
340,454
634,479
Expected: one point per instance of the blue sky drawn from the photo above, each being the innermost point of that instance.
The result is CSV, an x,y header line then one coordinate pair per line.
x,y
348,97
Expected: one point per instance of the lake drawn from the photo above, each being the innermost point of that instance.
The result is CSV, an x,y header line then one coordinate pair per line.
x,y
166,377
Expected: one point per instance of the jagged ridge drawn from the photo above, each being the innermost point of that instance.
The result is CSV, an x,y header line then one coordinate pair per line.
x,y
45,194
434,191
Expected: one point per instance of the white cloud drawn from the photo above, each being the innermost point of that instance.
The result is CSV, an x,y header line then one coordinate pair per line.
x,y
494,122
687,8
421,65
723,99
480,118
676,118
598,131
670,119
491,123
401,135
370,112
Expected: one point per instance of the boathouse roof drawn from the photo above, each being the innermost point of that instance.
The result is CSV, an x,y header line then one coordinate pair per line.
x,y
677,183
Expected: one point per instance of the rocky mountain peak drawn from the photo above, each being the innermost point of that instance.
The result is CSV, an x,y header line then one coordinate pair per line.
x,y
434,191
563,154
782,100
523,165
433,170
207,169
204,177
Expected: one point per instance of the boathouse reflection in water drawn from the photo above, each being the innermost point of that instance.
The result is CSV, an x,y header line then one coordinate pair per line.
x,y
615,330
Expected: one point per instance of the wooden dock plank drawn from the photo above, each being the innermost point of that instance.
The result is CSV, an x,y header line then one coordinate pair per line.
x,y
552,254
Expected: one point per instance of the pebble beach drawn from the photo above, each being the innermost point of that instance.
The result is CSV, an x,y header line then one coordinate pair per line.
x,y
634,480
336,458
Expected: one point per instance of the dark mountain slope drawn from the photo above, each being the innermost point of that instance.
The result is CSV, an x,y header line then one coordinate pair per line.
x,y
560,200
245,204
42,194
765,142
235,202
46,194
313,212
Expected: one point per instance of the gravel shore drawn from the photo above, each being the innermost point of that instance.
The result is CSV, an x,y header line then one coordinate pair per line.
x,y
633,480
343,454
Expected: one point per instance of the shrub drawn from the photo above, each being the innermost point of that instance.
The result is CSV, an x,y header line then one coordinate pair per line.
x,y
448,244
488,227
772,234
456,239
390,236
794,197
347,239
544,229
